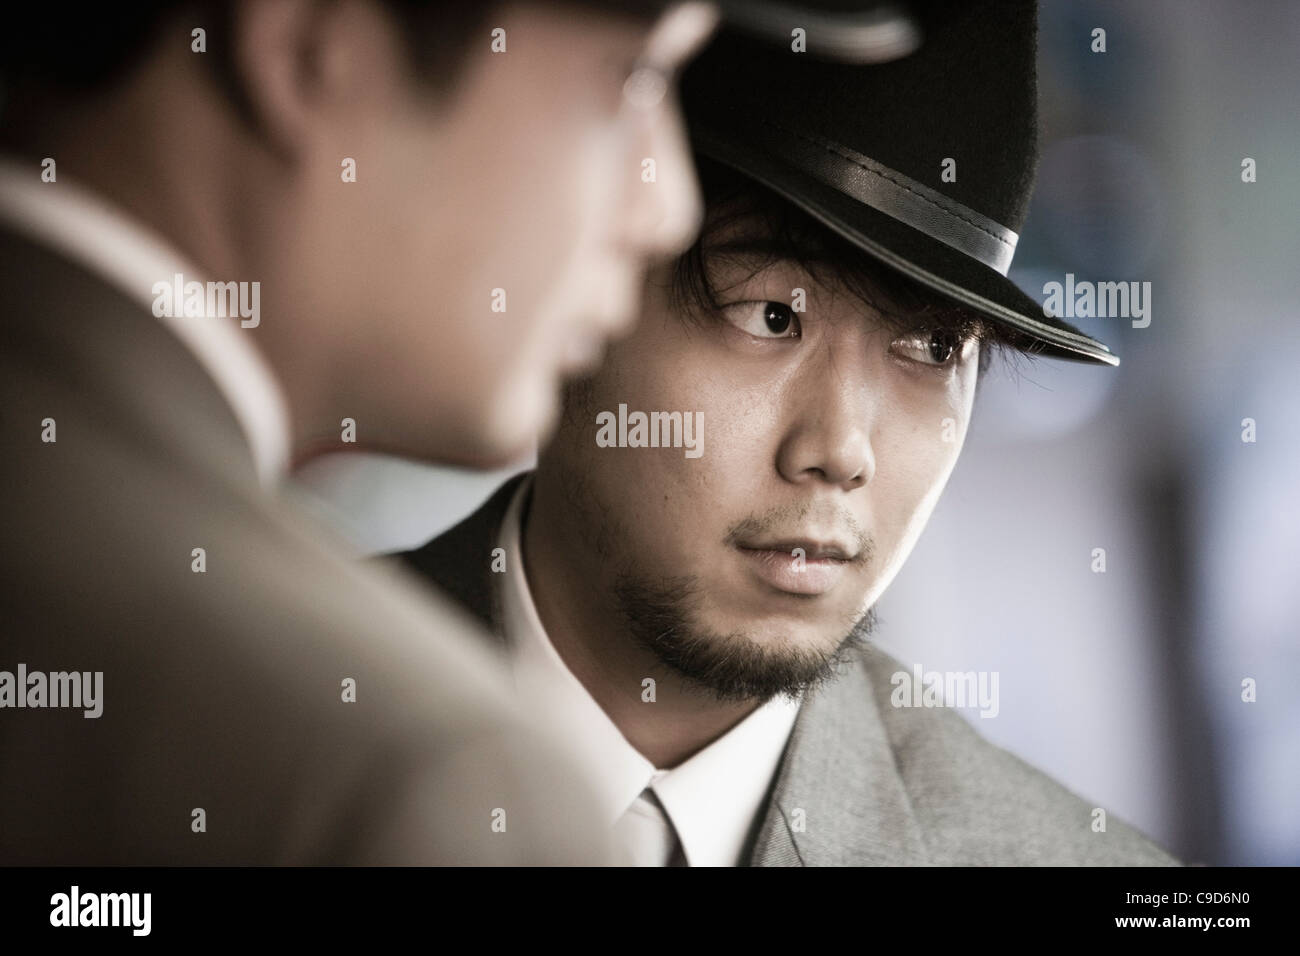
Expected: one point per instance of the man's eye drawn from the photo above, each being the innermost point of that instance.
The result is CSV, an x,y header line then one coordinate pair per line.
x,y
938,347
764,320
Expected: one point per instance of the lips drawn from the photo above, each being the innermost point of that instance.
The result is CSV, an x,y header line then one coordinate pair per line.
x,y
812,550
797,566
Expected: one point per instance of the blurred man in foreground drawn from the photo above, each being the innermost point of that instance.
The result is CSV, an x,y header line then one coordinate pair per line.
x,y
229,230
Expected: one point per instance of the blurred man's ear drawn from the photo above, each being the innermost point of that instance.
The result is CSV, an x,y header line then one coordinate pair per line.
x,y
293,62
266,62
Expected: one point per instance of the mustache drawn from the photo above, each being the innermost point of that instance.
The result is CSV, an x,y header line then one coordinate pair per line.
x,y
787,523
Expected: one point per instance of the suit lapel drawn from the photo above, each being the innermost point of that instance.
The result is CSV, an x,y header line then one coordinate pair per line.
x,y
838,798
460,560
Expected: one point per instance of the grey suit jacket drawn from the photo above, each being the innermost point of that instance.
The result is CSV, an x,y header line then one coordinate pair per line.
x,y
876,784
223,690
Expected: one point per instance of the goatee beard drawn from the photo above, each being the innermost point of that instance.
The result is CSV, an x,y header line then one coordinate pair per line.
x,y
733,666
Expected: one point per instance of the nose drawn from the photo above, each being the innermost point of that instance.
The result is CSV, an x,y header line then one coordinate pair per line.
x,y
664,206
829,434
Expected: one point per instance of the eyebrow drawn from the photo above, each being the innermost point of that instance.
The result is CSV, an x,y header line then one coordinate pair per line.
x,y
765,252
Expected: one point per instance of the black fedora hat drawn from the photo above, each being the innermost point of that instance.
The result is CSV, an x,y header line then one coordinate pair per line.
x,y
864,149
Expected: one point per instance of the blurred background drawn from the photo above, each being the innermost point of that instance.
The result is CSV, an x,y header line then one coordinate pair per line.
x,y
1127,685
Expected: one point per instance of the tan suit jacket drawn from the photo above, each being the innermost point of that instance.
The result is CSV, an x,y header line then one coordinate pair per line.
x,y
223,690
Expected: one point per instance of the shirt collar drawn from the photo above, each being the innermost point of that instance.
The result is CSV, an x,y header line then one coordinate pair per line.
x,y
712,798
87,229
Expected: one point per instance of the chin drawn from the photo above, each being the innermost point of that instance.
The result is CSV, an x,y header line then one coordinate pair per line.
x,y
773,630
509,433
480,459
483,453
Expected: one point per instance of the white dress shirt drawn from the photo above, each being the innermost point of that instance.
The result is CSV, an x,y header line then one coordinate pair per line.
x,y
708,802
88,230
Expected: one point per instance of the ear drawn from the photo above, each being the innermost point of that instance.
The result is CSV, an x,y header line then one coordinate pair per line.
x,y
264,47
295,60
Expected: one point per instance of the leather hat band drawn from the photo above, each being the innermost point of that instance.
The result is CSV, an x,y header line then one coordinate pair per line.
x,y
897,196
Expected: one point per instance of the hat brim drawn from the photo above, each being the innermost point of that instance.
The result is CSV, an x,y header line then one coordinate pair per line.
x,y
927,261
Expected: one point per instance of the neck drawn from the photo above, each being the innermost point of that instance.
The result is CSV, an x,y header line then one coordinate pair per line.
x,y
570,587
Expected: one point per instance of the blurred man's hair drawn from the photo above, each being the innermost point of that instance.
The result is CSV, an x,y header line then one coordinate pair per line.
x,y
95,47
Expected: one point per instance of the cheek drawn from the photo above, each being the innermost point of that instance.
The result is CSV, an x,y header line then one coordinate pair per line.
x,y
670,503
922,430
569,174
912,468
531,214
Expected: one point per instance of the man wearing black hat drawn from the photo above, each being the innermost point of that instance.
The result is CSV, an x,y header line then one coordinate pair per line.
x,y
696,610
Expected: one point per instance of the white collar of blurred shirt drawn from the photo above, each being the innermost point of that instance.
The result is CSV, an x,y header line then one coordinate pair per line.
x,y
712,799
92,232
